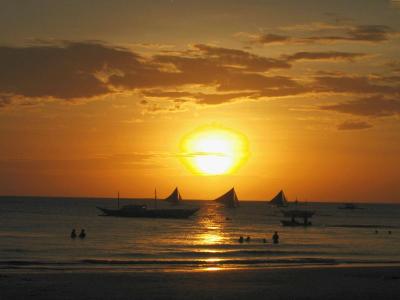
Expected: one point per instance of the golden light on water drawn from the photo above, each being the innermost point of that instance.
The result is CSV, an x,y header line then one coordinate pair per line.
x,y
212,231
212,269
211,238
214,150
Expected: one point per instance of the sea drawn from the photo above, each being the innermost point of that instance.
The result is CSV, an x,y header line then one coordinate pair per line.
x,y
35,236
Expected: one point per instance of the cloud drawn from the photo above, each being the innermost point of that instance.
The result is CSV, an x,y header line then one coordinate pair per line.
x,y
212,99
65,71
376,106
240,59
326,33
360,33
354,84
330,55
270,38
106,162
83,70
200,98
354,125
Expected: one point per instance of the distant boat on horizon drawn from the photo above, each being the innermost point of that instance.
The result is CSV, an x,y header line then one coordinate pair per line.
x,y
229,199
279,200
350,206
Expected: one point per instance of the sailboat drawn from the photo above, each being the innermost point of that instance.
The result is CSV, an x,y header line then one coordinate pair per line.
x,y
175,197
279,200
229,199
142,211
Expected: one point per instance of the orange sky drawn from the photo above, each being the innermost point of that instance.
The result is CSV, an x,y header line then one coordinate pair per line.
x,y
96,99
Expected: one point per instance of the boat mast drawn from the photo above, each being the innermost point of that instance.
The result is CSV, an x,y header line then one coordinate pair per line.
x,y
155,197
118,199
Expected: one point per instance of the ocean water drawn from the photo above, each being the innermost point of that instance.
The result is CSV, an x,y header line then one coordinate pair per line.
x,y
35,235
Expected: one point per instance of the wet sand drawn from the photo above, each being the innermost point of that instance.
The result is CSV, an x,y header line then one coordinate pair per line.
x,y
287,283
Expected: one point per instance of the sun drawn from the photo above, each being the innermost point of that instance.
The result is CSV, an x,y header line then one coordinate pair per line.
x,y
214,150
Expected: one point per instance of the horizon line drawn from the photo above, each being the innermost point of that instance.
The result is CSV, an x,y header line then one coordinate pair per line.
x,y
149,198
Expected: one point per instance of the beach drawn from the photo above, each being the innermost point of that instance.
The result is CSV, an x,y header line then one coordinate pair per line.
x,y
377,282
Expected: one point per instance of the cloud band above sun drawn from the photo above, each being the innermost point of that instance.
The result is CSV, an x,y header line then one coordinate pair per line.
x,y
87,70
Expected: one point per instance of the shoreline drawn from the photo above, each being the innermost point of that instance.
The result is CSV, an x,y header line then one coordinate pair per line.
x,y
309,282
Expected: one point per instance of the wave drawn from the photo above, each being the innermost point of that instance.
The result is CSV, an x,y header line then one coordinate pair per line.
x,y
212,262
185,263
17,250
167,262
364,226
228,253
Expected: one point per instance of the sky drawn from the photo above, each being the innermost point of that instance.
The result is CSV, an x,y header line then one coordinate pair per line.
x,y
98,96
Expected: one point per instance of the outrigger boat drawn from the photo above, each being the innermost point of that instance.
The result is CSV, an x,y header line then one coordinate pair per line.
x,y
142,211
296,213
350,206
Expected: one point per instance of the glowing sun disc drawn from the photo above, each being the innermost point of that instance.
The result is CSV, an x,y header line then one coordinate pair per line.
x,y
214,150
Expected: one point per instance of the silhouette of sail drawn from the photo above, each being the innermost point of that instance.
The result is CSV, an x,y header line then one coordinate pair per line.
x,y
175,197
229,199
279,199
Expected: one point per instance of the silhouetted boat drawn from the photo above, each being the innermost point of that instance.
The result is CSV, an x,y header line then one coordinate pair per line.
x,y
141,211
279,200
297,213
175,197
229,199
349,206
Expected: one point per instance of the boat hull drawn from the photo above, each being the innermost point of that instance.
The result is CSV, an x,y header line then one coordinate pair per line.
x,y
150,213
295,223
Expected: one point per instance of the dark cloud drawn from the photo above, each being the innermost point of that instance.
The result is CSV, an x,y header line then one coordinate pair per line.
x,y
376,106
72,70
354,125
200,98
330,55
241,59
361,33
270,38
328,33
166,94
353,84
213,99
256,82
64,71
111,162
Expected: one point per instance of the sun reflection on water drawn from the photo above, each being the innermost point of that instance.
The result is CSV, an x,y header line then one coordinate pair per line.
x,y
211,231
213,260
210,235
212,269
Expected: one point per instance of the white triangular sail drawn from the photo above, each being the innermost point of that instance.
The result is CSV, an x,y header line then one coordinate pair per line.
x,y
279,199
175,197
229,199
